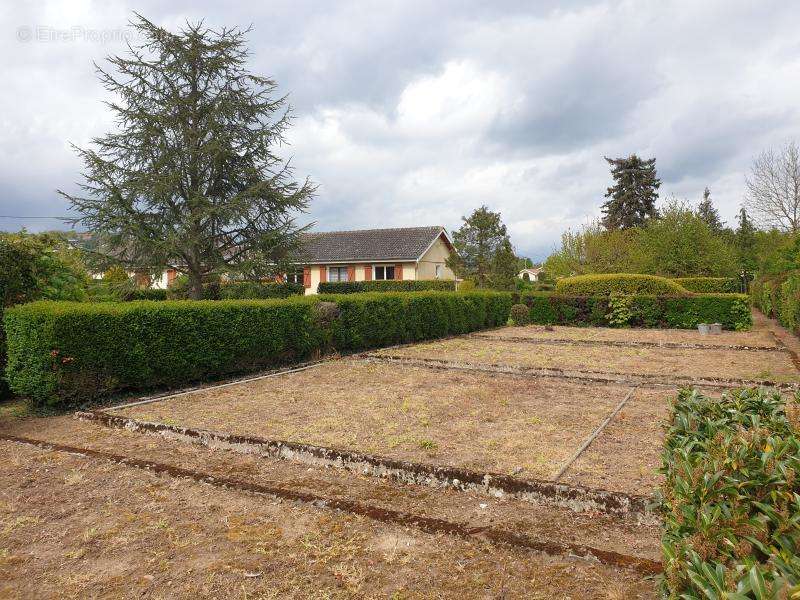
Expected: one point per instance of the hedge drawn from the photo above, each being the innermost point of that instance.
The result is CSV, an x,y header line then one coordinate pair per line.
x,y
710,285
779,298
63,353
373,320
680,312
730,497
145,294
391,285
618,283
239,290
253,290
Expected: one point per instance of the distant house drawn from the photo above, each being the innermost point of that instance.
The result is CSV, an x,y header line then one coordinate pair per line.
x,y
374,254
531,274
366,254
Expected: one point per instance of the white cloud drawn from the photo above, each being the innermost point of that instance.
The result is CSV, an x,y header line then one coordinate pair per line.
x,y
419,112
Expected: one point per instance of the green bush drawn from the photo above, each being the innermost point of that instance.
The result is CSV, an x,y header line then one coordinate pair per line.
x,y
618,283
710,285
778,297
236,290
520,314
254,290
391,285
373,320
145,294
730,497
62,353
681,312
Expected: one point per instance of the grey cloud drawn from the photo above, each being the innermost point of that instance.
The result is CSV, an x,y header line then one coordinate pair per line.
x,y
546,90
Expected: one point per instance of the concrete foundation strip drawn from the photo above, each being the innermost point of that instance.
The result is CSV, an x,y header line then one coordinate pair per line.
x,y
628,343
576,375
576,498
594,435
426,524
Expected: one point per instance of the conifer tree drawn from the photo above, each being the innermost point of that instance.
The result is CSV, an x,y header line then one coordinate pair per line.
x,y
745,243
708,212
632,198
191,179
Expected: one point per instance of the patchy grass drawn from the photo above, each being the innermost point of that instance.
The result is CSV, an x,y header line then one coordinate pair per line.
x,y
758,336
667,362
127,532
475,420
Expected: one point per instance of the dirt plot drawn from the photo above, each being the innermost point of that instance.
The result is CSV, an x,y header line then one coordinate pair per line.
x,y
626,455
76,528
758,336
479,421
669,362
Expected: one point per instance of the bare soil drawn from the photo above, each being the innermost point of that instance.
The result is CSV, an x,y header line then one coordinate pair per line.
x,y
758,336
626,455
71,527
673,362
506,424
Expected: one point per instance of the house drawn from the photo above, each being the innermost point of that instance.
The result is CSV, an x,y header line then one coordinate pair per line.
x,y
375,254
531,274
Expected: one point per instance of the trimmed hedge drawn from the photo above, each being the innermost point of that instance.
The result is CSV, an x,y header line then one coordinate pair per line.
x,y
373,320
710,285
145,294
779,298
255,290
62,353
618,283
391,285
680,312
730,497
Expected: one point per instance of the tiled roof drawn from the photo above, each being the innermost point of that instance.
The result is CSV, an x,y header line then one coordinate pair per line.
x,y
404,243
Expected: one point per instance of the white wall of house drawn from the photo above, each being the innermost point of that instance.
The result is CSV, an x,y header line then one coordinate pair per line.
x,y
437,254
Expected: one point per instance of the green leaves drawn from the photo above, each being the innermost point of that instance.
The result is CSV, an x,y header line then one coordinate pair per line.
x,y
730,499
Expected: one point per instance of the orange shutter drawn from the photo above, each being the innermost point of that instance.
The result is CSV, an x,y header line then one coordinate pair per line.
x,y
307,277
323,274
171,275
367,272
351,273
398,272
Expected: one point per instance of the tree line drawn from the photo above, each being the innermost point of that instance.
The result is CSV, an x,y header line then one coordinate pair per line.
x,y
634,235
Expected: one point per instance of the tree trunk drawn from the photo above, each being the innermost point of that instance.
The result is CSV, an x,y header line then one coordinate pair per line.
x,y
195,284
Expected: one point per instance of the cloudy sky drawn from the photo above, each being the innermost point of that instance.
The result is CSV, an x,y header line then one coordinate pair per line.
x,y
414,113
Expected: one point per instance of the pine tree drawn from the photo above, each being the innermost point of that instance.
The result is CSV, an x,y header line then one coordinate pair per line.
x,y
478,242
745,243
709,213
632,198
191,179
504,268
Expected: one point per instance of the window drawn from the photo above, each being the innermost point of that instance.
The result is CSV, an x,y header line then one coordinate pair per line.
x,y
294,277
337,273
439,271
384,272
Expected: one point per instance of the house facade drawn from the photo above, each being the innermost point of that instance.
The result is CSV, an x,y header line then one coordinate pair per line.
x,y
408,253
531,274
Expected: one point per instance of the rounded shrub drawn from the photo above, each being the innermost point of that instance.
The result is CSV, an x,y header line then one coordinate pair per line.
x,y
710,285
606,284
520,314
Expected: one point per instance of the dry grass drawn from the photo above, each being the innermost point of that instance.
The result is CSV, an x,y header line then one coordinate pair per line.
x,y
626,456
669,362
758,336
474,420
128,533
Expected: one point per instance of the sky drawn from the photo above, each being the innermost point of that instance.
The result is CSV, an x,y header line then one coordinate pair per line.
x,y
417,112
